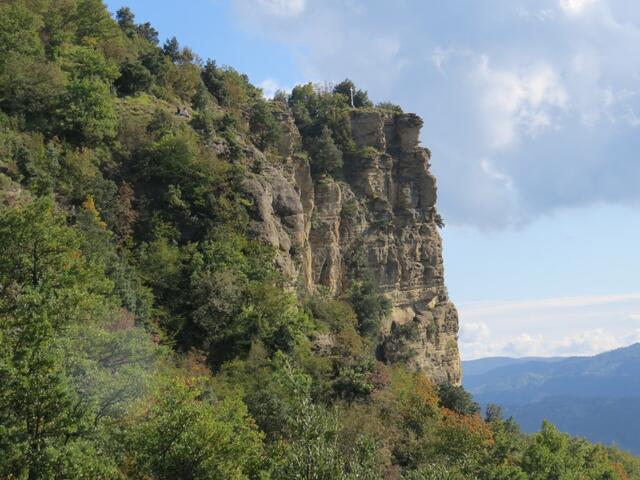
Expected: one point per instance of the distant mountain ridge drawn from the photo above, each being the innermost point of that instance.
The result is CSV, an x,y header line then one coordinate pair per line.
x,y
484,365
597,397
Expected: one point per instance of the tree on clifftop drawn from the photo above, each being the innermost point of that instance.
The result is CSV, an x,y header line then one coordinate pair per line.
x,y
326,157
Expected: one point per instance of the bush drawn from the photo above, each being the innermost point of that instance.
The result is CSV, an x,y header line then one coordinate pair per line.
x,y
360,97
142,241
326,157
389,107
371,307
134,77
263,125
182,434
457,399
86,113
395,346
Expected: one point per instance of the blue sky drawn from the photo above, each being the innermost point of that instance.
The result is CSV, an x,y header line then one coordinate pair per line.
x,y
532,112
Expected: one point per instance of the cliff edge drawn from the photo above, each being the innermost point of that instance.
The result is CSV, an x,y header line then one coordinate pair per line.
x,y
380,217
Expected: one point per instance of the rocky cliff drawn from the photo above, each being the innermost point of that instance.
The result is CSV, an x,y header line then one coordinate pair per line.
x,y
380,216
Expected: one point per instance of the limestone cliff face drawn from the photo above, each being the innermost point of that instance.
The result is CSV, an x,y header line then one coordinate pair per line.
x,y
381,217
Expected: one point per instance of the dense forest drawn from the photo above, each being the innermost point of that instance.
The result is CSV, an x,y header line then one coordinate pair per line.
x,y
144,333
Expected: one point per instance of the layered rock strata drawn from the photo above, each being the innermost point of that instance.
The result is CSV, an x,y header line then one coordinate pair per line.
x,y
382,217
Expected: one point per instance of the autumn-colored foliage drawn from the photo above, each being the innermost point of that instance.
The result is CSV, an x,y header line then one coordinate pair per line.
x,y
145,333
463,435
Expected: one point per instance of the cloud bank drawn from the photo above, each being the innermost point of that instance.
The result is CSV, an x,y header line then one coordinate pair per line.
x,y
550,326
529,106
582,343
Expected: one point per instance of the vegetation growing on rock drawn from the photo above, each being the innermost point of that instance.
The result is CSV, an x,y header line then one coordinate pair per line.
x,y
147,331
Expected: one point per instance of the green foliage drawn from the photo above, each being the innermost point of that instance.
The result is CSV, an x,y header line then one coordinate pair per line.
x,y
213,78
95,27
30,88
134,78
396,345
183,79
368,152
555,455
87,63
125,19
237,300
19,28
184,434
360,98
389,107
87,113
146,333
349,209
25,158
493,413
326,157
436,472
370,306
312,451
185,185
147,32
42,264
323,119
263,125
57,370
171,49
271,387
457,399
332,313
304,104
229,87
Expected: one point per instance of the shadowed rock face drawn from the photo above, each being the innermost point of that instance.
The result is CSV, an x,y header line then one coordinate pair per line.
x,y
382,214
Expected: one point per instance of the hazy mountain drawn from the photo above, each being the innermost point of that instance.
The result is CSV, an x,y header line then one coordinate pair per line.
x,y
484,365
597,397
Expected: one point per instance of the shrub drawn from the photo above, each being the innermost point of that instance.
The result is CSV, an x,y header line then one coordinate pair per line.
x,y
371,307
263,125
360,97
457,399
134,77
389,107
326,157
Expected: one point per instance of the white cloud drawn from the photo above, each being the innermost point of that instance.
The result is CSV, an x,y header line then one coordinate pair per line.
x,y
545,99
632,338
610,105
474,332
524,345
282,8
495,174
513,307
438,57
518,103
270,87
549,326
534,119
586,343
543,15
580,343
475,340
576,7
631,117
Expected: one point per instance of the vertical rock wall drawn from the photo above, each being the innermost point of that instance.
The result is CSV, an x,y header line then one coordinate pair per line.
x,y
383,215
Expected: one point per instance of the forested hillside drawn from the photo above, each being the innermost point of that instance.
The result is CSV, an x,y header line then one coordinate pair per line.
x,y
146,333
596,397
